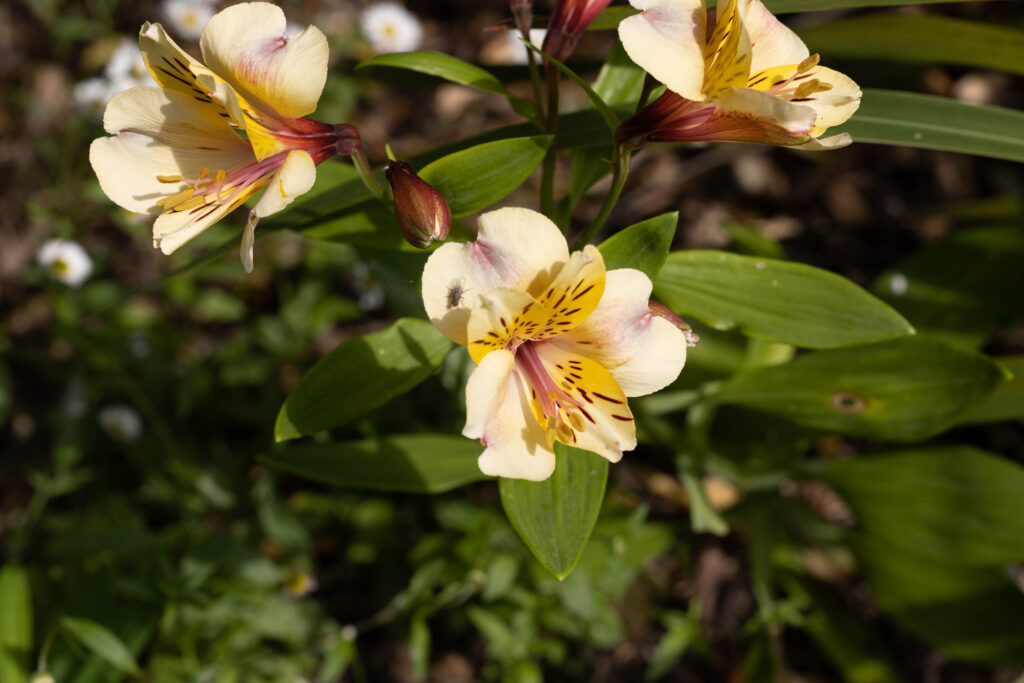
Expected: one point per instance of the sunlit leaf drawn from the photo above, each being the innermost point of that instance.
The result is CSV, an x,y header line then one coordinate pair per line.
x,y
903,389
890,117
920,38
415,463
360,375
450,69
555,517
643,246
774,300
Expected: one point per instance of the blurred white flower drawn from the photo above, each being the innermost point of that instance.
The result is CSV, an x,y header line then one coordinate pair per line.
x,y
391,28
66,260
75,401
91,96
126,63
121,423
188,17
42,677
516,50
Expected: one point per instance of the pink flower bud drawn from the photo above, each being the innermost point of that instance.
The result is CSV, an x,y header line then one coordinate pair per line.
x,y
568,22
421,211
662,311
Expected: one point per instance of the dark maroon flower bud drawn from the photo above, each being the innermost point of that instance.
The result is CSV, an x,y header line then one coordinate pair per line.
x,y
421,211
568,22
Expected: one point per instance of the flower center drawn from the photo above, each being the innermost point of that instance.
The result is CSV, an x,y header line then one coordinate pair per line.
x,y
560,411
219,187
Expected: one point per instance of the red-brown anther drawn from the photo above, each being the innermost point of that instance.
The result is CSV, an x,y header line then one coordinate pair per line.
x,y
662,311
421,211
568,22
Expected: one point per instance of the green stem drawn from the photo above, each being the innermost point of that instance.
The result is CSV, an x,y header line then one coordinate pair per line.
x,y
362,165
534,79
547,182
620,171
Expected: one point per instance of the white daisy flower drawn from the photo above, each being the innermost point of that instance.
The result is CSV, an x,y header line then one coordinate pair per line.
x,y
188,17
391,28
91,96
66,261
121,423
126,63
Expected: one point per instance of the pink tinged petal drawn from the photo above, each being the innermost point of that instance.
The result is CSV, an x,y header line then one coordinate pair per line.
x,y
295,177
515,248
159,133
246,45
498,413
773,43
746,115
643,352
667,40
601,421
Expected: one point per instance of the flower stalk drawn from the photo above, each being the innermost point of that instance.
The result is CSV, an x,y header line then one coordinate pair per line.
x,y
620,171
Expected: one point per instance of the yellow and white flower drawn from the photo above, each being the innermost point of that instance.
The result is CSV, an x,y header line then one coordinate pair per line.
x,y
745,78
66,260
121,423
214,134
560,344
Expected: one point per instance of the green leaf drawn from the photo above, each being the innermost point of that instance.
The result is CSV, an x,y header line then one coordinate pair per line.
x,y
920,38
450,69
774,300
15,624
971,613
1007,401
643,246
889,117
475,178
903,389
961,287
361,375
415,463
955,504
555,517
102,642
681,631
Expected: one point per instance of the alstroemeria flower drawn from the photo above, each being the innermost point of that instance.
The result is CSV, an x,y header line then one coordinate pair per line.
x,y
560,344
744,78
214,134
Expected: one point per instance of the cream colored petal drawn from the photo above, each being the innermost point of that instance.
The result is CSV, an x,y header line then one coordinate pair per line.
x,y
825,144
174,69
667,40
499,415
295,177
159,133
773,43
602,422
834,106
484,391
746,115
644,353
246,45
516,248
173,229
